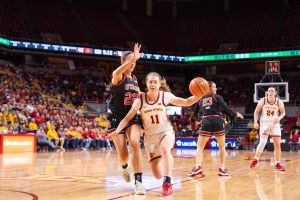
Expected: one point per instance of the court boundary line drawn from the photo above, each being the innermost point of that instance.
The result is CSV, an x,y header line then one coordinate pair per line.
x,y
34,196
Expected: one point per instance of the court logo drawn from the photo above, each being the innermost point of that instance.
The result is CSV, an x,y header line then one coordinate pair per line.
x,y
214,144
186,144
178,143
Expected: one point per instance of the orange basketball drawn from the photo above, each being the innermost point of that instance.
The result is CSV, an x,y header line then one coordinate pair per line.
x,y
199,87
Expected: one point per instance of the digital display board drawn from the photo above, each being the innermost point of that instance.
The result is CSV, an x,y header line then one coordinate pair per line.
x,y
243,56
30,45
84,50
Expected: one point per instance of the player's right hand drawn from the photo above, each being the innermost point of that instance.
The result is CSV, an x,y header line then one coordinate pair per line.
x,y
256,126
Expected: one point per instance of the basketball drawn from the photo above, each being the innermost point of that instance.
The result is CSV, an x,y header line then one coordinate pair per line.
x,y
199,87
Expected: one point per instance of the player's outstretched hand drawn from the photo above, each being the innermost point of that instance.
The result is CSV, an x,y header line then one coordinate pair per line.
x,y
239,115
136,51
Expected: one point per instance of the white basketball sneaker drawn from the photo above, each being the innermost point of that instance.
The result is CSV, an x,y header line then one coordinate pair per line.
x,y
139,188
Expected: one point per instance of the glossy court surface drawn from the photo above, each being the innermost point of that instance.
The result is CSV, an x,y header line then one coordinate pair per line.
x,y
89,175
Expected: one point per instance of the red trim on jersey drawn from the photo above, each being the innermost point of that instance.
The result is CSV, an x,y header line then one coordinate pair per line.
x,y
264,133
162,138
219,133
210,134
121,81
134,78
210,116
163,99
155,101
141,98
154,158
205,134
275,136
273,103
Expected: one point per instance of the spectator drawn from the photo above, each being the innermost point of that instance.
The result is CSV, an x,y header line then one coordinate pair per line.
x,y
3,127
33,126
103,133
53,136
96,142
42,138
239,144
294,140
61,134
250,125
12,130
298,121
86,138
252,136
72,138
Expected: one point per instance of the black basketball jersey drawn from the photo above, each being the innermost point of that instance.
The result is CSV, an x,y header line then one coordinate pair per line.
x,y
212,104
123,95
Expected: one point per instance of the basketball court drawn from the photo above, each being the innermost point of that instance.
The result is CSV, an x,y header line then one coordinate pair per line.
x,y
97,175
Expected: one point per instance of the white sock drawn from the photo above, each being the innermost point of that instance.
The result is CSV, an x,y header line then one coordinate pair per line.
x,y
222,166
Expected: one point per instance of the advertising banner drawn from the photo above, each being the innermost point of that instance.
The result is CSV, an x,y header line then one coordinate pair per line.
x,y
17,143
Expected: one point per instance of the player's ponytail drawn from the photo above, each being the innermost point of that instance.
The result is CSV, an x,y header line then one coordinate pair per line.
x,y
164,86
210,83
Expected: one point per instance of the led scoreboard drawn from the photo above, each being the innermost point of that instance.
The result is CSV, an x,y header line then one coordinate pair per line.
x,y
272,67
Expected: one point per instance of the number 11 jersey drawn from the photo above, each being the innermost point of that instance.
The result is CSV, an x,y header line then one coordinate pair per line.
x,y
154,114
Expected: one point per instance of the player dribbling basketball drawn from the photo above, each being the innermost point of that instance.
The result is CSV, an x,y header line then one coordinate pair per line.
x,y
159,134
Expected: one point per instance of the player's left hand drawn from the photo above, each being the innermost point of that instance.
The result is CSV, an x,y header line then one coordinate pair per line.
x,y
136,51
112,135
276,119
239,115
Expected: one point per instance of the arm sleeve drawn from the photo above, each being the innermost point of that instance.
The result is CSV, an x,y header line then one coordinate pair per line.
x,y
225,107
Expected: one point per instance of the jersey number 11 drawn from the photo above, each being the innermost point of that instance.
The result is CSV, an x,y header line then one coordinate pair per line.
x,y
154,119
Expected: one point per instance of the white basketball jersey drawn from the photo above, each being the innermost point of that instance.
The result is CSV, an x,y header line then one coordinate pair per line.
x,y
154,115
269,111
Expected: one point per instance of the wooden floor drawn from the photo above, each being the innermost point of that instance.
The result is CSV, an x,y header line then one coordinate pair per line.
x,y
97,175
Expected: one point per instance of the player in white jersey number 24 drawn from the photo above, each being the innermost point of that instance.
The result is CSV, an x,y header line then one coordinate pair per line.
x,y
272,111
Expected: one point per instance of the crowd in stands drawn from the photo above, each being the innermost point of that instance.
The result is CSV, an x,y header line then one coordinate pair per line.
x,y
40,104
